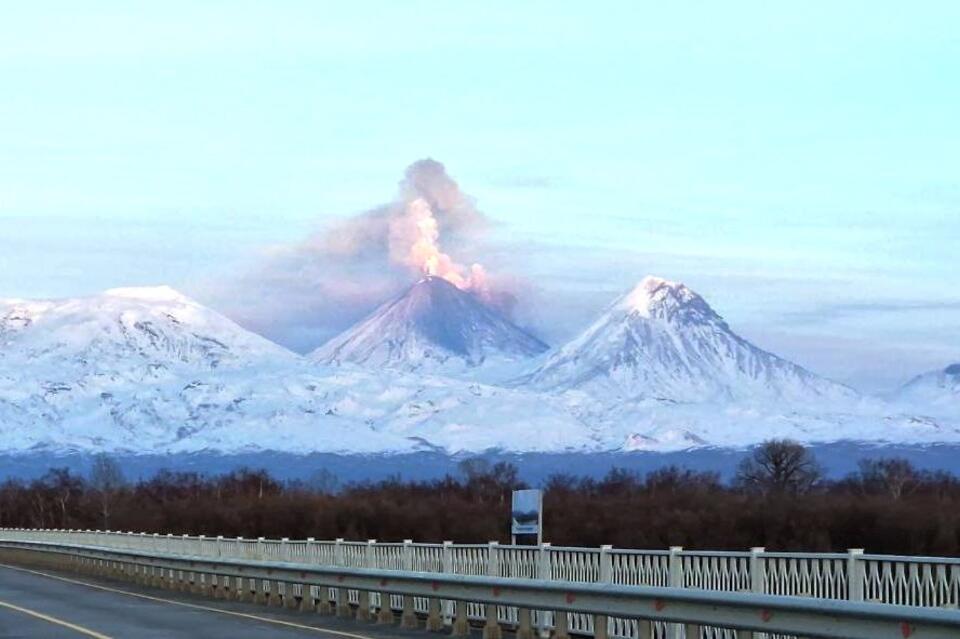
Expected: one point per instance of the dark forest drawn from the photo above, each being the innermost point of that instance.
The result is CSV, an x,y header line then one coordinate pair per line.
x,y
778,499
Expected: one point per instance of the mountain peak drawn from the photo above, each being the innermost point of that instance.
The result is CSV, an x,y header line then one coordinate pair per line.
x,y
162,293
658,298
953,369
432,322
663,341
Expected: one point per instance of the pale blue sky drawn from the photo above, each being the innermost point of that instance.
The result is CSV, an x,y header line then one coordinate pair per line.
x,y
795,163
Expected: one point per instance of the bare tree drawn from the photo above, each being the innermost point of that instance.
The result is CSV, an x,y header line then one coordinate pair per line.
x,y
106,480
894,476
55,495
779,466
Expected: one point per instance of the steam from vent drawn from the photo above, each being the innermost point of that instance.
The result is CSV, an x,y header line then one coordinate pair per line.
x,y
315,288
430,208
414,242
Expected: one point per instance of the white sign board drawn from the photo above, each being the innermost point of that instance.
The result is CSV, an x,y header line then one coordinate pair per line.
x,y
527,512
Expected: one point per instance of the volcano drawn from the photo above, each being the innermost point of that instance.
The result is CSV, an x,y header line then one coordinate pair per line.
x,y
432,327
663,341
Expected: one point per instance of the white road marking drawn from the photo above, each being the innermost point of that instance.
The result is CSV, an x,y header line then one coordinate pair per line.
x,y
172,602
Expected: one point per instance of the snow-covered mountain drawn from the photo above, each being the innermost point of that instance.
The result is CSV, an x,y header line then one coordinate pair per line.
x,y
433,327
150,371
663,341
129,334
936,391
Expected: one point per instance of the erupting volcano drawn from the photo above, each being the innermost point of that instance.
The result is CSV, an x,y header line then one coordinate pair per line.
x,y
434,326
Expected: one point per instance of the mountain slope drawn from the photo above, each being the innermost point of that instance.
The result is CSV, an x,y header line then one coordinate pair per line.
x,y
936,390
663,341
432,327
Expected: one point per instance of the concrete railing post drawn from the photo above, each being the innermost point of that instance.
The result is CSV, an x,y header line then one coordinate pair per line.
x,y
447,567
284,591
491,628
758,582
363,596
201,581
321,603
169,575
259,586
307,601
856,573
544,573
408,619
385,614
343,603
220,582
435,604
143,572
244,592
186,577
675,568
459,624
601,622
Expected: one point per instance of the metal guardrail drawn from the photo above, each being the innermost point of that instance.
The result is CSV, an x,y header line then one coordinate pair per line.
x,y
696,610
852,576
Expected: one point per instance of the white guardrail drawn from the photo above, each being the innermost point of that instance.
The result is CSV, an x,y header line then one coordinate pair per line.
x,y
818,584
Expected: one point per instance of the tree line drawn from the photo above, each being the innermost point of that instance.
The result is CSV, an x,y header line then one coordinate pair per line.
x,y
779,498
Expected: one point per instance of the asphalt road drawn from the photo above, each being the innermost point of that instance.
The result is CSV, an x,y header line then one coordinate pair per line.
x,y
50,605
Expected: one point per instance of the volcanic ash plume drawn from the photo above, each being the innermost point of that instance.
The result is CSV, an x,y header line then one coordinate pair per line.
x,y
407,232
333,278
414,242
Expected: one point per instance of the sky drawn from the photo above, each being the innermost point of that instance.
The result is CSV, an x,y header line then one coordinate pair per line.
x,y
795,163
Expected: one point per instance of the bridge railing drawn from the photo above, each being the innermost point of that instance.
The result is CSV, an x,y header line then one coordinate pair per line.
x,y
854,576
587,602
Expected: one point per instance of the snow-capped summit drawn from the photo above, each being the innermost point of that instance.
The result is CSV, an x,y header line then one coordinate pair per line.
x,y
162,293
134,333
432,327
657,298
663,341
934,390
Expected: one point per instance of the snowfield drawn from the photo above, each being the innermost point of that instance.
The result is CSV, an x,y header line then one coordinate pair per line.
x,y
147,370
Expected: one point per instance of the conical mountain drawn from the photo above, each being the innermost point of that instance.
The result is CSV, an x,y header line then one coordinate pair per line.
x,y
433,325
663,341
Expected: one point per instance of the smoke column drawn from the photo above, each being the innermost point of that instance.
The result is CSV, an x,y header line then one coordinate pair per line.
x,y
309,291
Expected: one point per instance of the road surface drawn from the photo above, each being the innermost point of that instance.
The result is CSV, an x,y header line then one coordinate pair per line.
x,y
43,604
